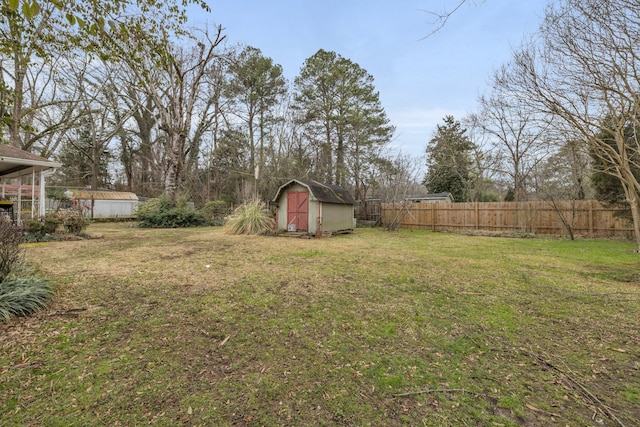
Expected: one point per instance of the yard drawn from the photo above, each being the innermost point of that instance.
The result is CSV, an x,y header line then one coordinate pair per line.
x,y
195,327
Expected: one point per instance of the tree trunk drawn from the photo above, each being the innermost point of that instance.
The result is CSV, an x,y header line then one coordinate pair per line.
x,y
327,154
635,212
340,173
174,156
16,116
634,203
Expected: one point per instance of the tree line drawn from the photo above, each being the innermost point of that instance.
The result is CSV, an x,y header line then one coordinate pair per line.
x,y
127,97
561,119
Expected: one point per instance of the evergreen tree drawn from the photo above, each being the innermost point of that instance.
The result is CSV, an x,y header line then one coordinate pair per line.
x,y
449,161
256,86
84,163
341,113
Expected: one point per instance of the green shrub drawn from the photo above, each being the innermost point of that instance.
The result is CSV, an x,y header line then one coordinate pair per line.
x,y
215,211
163,213
182,202
21,296
73,219
10,251
38,229
160,204
250,218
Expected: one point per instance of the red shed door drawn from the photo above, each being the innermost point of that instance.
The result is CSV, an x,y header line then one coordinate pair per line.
x,y
298,209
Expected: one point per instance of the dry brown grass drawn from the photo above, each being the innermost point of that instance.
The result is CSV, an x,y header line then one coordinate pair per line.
x,y
196,327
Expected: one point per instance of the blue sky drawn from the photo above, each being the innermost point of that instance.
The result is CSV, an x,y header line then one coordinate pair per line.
x,y
420,80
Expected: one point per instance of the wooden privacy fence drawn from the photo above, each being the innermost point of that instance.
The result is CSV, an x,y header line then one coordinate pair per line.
x,y
586,217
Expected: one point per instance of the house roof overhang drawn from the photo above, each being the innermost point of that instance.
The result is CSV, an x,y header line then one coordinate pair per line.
x,y
15,162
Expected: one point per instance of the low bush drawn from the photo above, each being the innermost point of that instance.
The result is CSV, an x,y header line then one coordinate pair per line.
x,y
250,218
73,219
215,211
39,229
10,251
163,213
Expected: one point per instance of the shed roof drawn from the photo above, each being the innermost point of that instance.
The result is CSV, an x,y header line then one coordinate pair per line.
x,y
15,162
326,193
433,196
103,195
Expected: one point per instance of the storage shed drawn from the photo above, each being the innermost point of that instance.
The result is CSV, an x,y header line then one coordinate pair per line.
x,y
106,204
433,198
312,207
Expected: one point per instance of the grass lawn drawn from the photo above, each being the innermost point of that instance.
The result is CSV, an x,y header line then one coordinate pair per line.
x,y
195,327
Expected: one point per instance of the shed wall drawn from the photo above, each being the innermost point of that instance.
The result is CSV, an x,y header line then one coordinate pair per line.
x,y
313,215
337,217
112,208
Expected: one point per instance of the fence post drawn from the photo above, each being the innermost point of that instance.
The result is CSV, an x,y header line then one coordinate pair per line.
x,y
433,217
477,216
591,218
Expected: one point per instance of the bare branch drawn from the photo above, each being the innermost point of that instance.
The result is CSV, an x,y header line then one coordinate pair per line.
x,y
441,18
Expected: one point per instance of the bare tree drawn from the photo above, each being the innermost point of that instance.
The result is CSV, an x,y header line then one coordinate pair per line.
x,y
564,180
584,70
396,180
38,103
50,103
486,165
98,124
141,152
516,133
35,34
21,42
174,77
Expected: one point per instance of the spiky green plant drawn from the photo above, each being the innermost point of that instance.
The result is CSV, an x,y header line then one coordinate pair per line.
x,y
252,217
21,296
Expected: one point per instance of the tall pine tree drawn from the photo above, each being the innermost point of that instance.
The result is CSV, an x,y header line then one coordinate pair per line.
x,y
340,112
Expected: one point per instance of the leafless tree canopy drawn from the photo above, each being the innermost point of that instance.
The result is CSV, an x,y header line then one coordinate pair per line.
x,y
583,71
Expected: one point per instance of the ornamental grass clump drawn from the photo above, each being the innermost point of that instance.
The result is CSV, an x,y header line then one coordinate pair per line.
x,y
20,294
252,217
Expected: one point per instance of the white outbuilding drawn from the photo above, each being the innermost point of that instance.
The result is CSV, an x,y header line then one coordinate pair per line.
x,y
105,204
